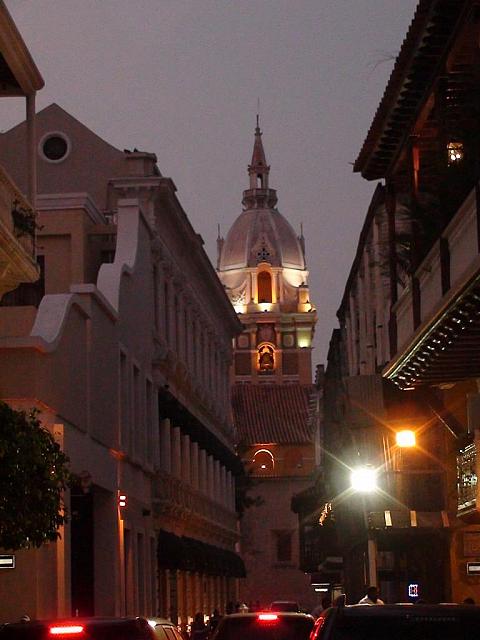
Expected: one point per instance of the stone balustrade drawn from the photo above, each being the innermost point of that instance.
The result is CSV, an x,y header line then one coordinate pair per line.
x,y
175,496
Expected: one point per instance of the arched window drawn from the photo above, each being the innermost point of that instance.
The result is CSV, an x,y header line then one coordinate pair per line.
x,y
263,462
266,359
264,283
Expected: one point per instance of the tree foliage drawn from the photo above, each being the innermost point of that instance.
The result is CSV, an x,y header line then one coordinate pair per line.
x,y
33,476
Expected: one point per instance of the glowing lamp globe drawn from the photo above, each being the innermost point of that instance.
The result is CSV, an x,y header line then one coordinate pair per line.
x,y
406,438
364,479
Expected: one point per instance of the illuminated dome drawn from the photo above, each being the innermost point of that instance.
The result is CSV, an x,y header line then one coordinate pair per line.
x,y
261,235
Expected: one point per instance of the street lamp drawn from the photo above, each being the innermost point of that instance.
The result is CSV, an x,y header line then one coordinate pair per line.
x,y
364,479
405,438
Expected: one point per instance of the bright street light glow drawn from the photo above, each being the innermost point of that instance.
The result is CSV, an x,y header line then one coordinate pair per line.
x,y
364,479
406,438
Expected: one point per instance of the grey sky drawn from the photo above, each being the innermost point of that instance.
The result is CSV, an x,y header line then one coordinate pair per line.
x,y
181,78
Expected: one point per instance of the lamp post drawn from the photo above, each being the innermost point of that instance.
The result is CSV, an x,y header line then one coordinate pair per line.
x,y
364,481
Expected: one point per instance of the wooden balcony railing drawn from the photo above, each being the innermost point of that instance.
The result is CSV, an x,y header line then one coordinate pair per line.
x,y
16,213
467,478
437,277
177,497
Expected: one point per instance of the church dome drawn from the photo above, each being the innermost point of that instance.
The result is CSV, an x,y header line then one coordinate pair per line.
x,y
261,235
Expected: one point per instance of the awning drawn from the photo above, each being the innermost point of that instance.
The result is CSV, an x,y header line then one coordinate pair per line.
x,y
188,554
404,519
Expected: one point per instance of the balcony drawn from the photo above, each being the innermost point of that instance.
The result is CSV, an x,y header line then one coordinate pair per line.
x,y
467,480
174,497
445,346
17,237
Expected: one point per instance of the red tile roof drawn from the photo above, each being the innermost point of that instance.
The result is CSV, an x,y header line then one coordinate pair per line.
x,y
269,413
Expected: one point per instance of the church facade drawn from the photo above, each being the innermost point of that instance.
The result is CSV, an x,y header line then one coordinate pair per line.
x,y
261,263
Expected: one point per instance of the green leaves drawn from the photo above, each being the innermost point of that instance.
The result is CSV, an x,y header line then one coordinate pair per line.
x,y
33,476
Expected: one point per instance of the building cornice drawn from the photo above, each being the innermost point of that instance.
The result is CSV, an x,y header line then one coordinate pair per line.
x,y
64,201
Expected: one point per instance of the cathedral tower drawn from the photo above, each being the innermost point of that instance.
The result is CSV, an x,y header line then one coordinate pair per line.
x,y
262,265
261,262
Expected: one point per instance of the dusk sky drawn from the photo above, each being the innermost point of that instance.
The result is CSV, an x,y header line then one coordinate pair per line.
x,y
182,78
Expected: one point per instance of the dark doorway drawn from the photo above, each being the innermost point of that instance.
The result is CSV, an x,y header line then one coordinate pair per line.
x,y
82,553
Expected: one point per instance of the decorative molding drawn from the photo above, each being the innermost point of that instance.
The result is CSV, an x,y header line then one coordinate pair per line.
x,y
62,201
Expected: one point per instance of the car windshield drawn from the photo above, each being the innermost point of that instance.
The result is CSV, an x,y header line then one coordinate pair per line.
x,y
284,606
413,627
254,629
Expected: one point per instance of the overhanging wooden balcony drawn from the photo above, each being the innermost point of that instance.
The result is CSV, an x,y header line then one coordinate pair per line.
x,y
445,346
17,237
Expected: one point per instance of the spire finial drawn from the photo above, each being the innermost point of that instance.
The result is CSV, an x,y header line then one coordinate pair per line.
x,y
258,113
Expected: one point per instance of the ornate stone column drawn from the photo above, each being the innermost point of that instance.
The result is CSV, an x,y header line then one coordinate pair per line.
x,y
223,486
185,461
210,477
194,459
217,485
176,466
202,471
165,446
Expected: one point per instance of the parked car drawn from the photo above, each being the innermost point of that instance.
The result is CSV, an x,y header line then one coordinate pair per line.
x,y
79,629
398,622
284,605
164,629
264,625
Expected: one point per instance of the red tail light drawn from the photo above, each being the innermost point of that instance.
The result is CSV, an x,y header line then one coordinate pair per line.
x,y
66,630
267,617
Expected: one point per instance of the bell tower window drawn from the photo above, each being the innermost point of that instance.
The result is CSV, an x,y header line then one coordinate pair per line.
x,y
264,283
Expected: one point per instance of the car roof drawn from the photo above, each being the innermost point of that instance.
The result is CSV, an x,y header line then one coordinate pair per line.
x,y
37,627
255,614
406,609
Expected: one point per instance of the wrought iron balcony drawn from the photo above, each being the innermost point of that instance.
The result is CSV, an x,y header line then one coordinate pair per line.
x,y
467,479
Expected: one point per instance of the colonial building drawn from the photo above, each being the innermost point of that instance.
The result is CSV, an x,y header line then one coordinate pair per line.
x,y
124,346
418,264
261,262
19,76
362,414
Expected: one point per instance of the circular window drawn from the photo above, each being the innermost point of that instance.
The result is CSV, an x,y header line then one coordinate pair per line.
x,y
54,147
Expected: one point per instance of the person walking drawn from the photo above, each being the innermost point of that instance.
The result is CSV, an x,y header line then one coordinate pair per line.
x,y
371,597
199,629
214,620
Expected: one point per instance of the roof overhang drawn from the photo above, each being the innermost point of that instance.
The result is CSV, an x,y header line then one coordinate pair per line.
x,y
19,75
446,349
421,58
